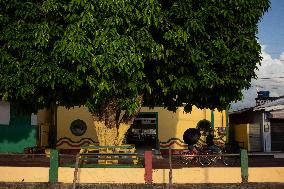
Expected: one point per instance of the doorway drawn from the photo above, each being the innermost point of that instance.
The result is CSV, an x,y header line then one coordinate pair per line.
x,y
143,133
277,137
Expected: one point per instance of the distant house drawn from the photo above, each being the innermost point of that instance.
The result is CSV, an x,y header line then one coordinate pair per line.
x,y
260,128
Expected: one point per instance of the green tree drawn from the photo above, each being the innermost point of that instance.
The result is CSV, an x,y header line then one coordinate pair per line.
x,y
114,55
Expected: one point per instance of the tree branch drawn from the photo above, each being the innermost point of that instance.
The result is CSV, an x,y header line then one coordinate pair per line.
x,y
130,118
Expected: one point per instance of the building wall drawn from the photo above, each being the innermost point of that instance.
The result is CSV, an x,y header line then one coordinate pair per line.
x,y
247,130
136,175
18,134
276,130
247,136
5,113
266,174
258,118
241,118
18,130
16,137
171,126
43,122
266,132
24,174
43,117
241,134
65,138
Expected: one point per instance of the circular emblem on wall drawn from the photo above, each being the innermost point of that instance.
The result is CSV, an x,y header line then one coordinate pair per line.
x,y
78,127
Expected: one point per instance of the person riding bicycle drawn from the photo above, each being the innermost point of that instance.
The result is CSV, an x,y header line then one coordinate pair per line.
x,y
192,148
210,142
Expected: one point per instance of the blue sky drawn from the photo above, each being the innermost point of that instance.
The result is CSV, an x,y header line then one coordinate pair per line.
x,y
271,72
271,29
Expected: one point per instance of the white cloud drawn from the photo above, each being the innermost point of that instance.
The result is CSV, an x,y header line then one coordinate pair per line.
x,y
282,56
270,78
270,67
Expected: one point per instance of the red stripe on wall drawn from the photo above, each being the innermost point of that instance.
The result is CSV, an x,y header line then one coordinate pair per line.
x,y
73,145
172,143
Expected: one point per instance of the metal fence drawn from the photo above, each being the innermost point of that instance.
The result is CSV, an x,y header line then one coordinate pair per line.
x,y
150,161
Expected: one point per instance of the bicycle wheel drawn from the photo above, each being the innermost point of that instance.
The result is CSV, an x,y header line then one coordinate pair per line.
x,y
185,159
232,161
227,161
204,160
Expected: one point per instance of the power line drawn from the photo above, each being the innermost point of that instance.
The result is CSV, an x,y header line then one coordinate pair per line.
x,y
270,77
271,73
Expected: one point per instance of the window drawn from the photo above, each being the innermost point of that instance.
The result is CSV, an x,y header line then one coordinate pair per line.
x,y
5,113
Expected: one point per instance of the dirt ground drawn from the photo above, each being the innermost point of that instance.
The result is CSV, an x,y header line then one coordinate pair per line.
x,y
142,186
41,160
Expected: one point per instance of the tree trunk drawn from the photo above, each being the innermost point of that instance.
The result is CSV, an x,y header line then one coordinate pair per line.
x,y
53,126
110,136
110,128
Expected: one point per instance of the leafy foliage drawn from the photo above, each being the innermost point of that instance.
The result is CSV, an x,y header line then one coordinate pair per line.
x,y
198,52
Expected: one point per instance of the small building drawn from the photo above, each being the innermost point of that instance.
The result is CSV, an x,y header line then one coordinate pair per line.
x,y
260,128
155,128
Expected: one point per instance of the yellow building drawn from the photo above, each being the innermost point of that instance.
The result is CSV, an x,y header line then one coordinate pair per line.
x,y
155,128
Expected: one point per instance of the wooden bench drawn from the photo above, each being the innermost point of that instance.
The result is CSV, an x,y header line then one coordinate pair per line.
x,y
108,156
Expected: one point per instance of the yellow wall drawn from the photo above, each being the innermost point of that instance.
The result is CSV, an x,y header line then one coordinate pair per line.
x,y
65,139
267,174
136,175
219,118
198,175
43,116
103,175
24,174
171,126
241,134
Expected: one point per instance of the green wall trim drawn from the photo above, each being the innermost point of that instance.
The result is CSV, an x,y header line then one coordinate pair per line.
x,y
157,130
53,168
244,165
212,119
19,134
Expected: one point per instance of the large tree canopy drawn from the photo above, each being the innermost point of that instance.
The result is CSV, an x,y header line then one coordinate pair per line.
x,y
113,55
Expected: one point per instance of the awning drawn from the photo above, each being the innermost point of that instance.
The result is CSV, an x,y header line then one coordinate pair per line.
x,y
277,114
